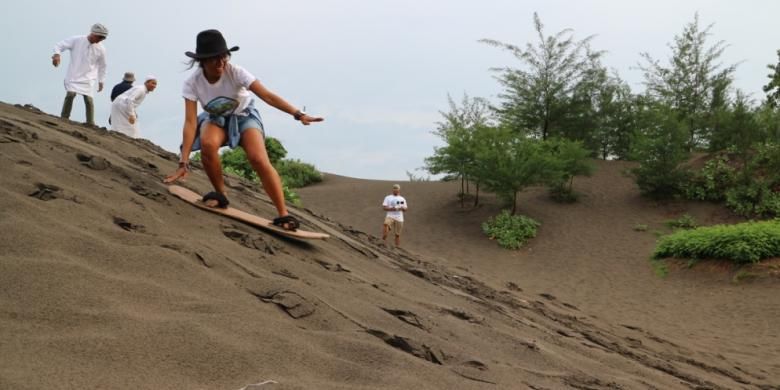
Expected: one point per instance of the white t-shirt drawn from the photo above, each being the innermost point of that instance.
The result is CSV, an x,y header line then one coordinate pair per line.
x,y
87,63
227,96
395,201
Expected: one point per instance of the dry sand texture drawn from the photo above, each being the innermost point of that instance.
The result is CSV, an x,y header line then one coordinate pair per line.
x,y
108,282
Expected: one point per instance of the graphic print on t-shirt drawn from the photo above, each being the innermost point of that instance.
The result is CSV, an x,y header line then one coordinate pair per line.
x,y
221,106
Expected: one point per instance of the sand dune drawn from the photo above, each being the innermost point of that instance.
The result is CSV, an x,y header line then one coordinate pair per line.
x,y
107,282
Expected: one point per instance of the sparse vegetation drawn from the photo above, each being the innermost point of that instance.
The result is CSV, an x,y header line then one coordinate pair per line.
x,y
640,227
511,231
684,222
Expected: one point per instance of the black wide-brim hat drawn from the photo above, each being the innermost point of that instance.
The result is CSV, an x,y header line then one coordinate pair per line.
x,y
209,43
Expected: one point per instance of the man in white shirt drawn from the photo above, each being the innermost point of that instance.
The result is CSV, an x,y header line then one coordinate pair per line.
x,y
396,206
87,63
123,109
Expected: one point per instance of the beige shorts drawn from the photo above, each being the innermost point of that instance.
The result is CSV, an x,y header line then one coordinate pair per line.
x,y
396,226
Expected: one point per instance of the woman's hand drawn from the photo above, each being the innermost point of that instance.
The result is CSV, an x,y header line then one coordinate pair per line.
x,y
180,174
308,119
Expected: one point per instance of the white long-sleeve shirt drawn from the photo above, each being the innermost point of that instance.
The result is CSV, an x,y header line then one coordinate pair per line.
x,y
87,64
124,106
131,99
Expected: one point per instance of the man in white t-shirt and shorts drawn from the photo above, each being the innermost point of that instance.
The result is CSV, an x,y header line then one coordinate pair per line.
x,y
396,206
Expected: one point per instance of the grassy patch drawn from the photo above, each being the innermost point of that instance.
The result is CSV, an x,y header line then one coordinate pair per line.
x,y
684,222
741,243
660,268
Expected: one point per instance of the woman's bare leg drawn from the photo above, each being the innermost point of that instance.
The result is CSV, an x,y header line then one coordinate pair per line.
x,y
254,145
212,137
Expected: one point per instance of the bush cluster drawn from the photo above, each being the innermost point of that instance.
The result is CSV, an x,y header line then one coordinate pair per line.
x,y
511,231
746,242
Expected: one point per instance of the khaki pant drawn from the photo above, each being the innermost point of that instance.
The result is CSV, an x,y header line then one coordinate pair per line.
x,y
396,226
67,105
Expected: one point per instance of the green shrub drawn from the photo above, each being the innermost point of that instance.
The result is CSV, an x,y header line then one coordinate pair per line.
x,y
657,183
290,195
746,242
298,174
660,147
274,149
293,173
712,181
511,231
754,199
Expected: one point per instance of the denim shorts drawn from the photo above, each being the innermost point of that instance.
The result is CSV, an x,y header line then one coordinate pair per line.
x,y
244,122
233,125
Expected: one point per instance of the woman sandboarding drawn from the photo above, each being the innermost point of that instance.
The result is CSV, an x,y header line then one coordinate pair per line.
x,y
229,119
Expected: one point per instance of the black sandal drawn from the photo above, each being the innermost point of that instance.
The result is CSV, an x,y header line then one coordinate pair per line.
x,y
288,222
222,201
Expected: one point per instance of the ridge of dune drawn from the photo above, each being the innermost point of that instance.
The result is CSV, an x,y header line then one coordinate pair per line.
x,y
108,282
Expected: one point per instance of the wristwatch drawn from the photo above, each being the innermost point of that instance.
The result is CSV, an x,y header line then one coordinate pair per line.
x,y
298,115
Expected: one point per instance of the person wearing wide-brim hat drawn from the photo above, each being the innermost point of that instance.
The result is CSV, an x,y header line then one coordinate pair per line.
x,y
229,119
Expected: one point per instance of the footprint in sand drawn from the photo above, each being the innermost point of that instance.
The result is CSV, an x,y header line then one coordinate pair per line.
x,y
251,241
409,346
126,225
295,305
93,162
407,317
46,192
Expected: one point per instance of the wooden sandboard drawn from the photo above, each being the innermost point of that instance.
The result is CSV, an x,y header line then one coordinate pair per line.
x,y
191,197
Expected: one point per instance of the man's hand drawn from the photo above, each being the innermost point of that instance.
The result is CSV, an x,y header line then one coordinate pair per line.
x,y
131,119
55,60
100,88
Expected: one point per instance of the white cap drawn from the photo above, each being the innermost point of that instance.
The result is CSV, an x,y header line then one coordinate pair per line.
x,y
99,29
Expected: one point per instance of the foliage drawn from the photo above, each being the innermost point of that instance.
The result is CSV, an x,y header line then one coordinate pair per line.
x,y
746,242
511,231
712,181
509,163
457,158
660,148
772,88
753,190
686,221
293,173
275,150
570,159
290,195
736,128
297,174
235,161
536,97
607,115
693,84
754,199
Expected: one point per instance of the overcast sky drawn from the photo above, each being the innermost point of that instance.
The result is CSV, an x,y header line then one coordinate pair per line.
x,y
379,71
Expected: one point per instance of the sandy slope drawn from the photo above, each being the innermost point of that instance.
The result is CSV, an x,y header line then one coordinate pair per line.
x,y
107,282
